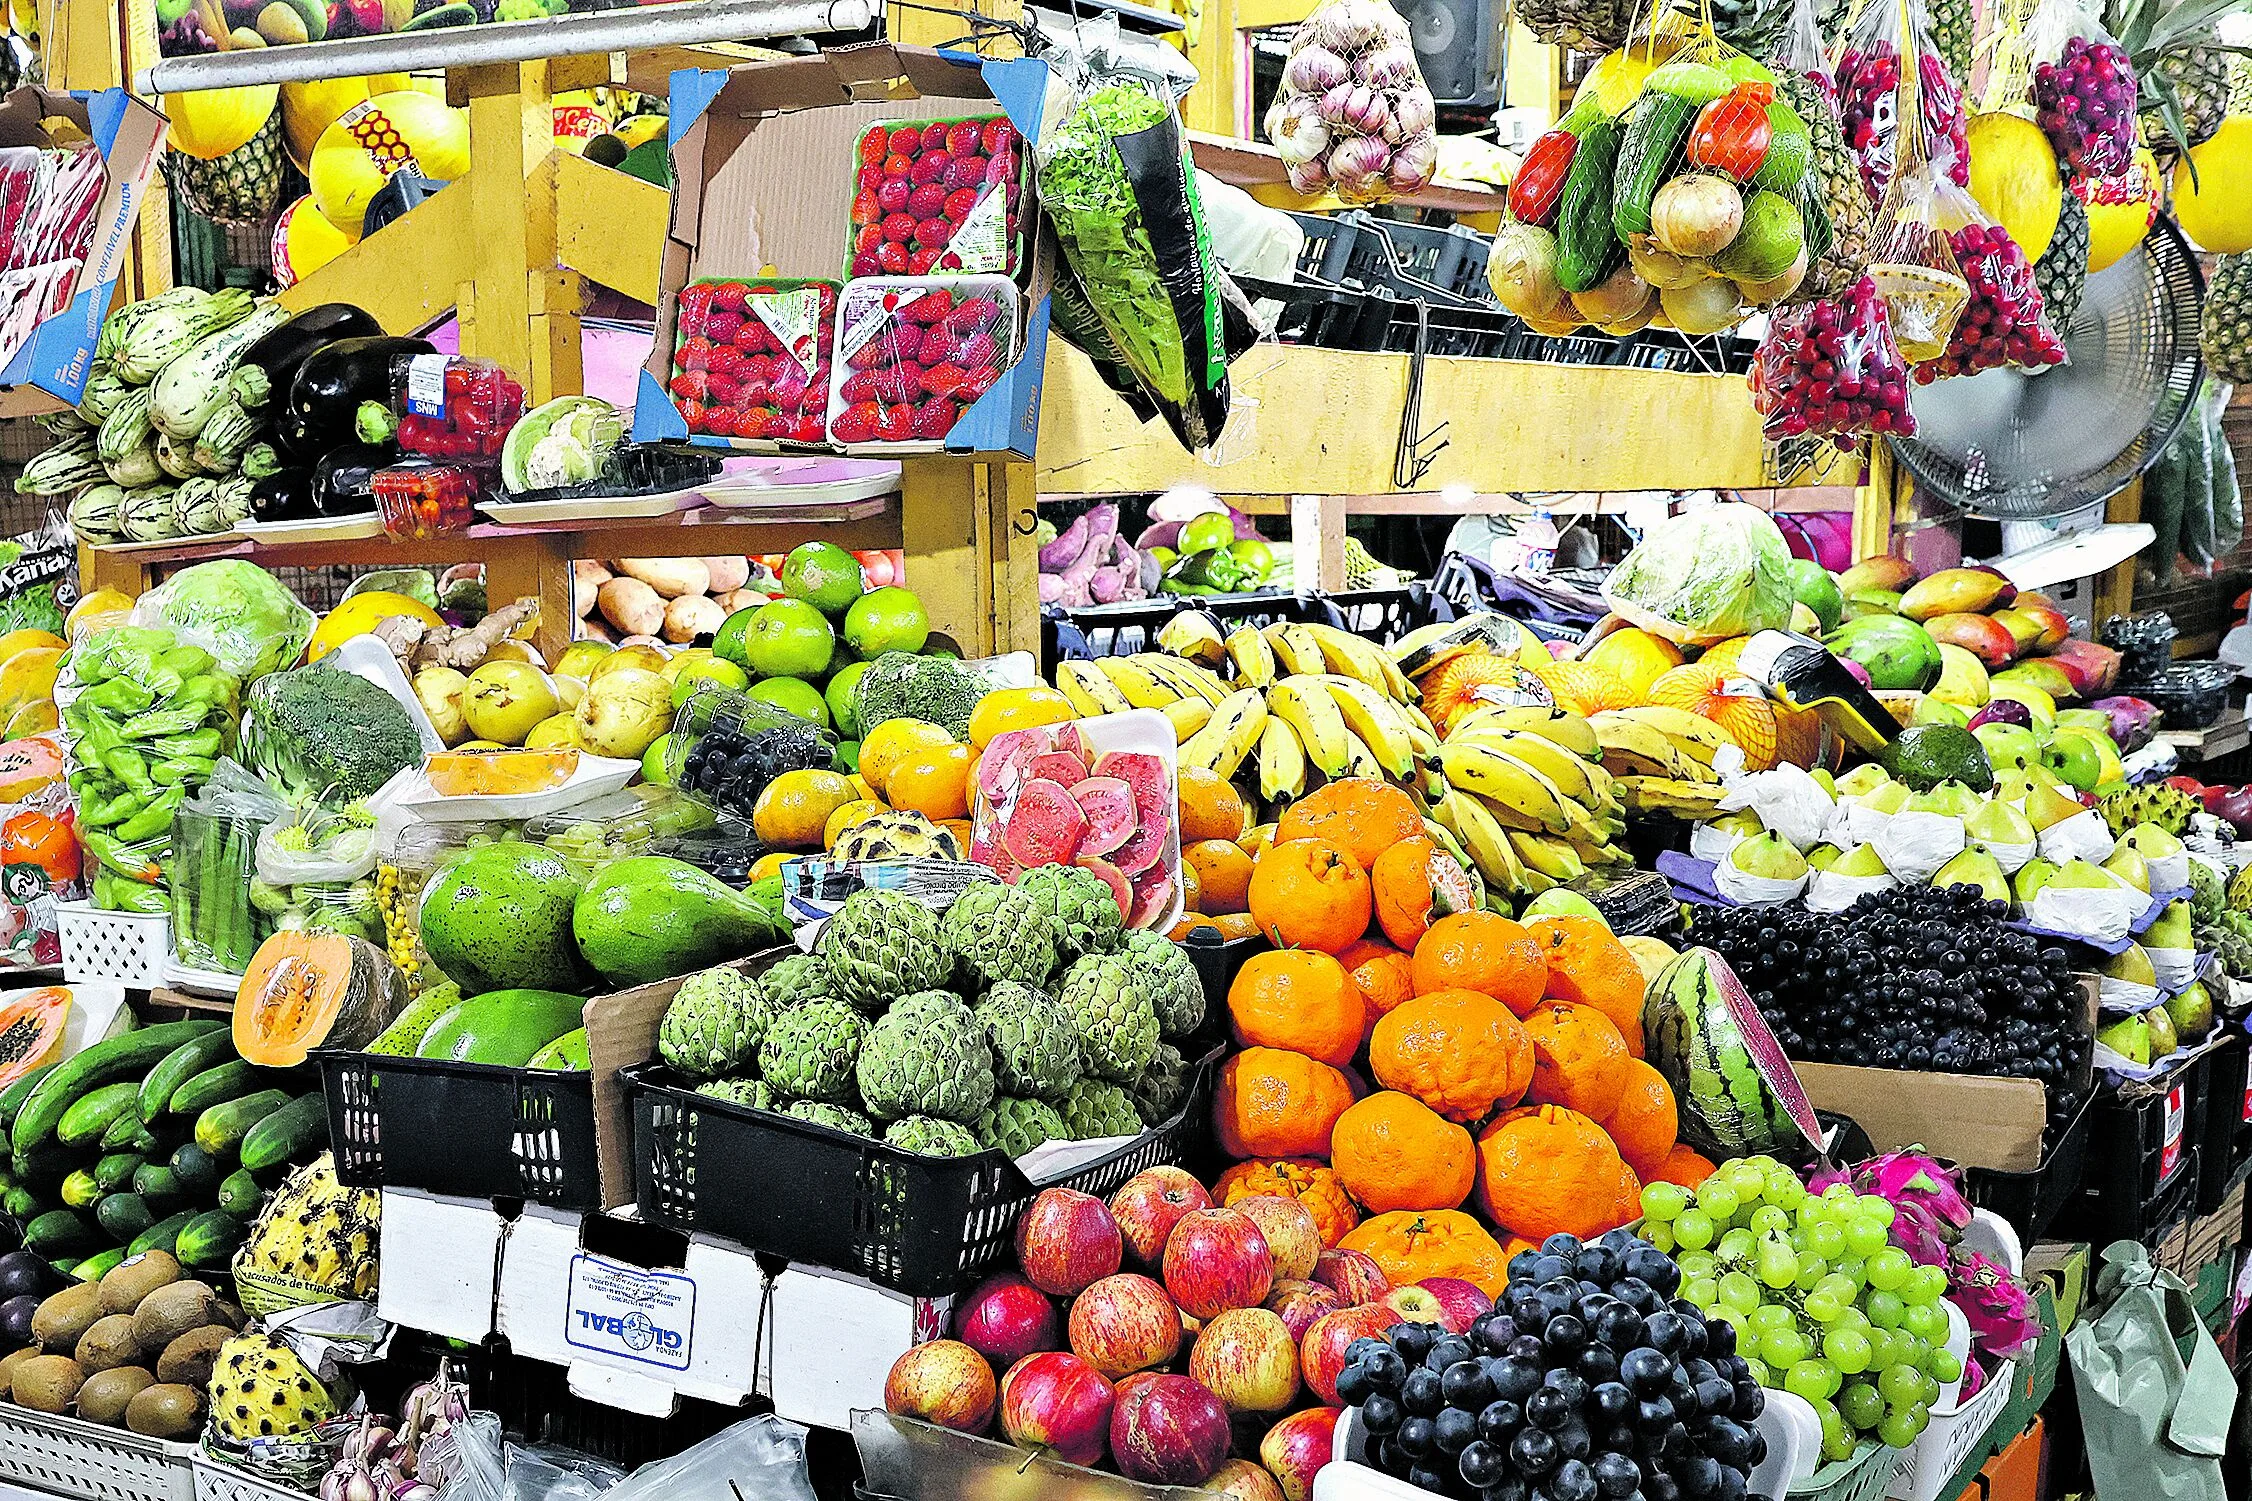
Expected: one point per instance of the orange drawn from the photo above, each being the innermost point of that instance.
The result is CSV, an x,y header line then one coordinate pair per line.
x,y
1235,925
1635,657
1300,1000
1359,815
959,828
1485,952
1451,690
1458,1051
934,782
770,864
1211,808
1192,888
1768,732
1544,1170
1395,1152
1223,872
1411,1244
1683,1165
793,810
890,742
1006,709
1589,967
1579,1059
1413,884
1583,688
846,816
1645,1121
1272,1103
1313,1184
1308,894
1382,973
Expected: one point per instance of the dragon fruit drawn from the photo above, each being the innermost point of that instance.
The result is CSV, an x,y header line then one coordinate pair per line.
x,y
2000,1310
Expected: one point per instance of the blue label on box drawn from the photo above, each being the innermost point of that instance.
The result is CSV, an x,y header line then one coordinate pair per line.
x,y
631,1313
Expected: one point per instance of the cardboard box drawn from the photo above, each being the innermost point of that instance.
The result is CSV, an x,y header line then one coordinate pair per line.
x,y
129,135
763,163
2062,1265
2215,1237
440,1268
835,1337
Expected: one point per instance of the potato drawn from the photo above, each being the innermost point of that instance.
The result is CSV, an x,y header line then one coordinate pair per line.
x,y
727,574
587,579
632,606
743,599
671,577
595,630
692,615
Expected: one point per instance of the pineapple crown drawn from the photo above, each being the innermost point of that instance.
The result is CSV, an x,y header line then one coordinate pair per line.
x,y
2150,29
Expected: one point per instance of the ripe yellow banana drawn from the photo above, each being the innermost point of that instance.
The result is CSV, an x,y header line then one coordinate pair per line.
x,y
1360,761
1565,728
1485,839
1446,839
1581,781
1193,635
1551,857
1305,705
1295,647
1696,736
1090,692
1254,659
1521,796
1632,747
1376,720
1185,676
1357,657
1683,799
1136,683
1234,729
1282,762
1188,716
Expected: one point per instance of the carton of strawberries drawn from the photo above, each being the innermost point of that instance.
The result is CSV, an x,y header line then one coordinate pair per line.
x,y
913,352
751,357
938,196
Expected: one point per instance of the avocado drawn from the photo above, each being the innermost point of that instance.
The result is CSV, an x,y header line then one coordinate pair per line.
x,y
500,916
502,1026
567,1053
1922,756
650,917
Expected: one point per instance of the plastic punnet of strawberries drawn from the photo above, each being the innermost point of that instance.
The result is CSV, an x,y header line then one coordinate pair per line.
x,y
454,408
2085,104
937,197
1868,84
753,358
1831,368
915,353
2005,321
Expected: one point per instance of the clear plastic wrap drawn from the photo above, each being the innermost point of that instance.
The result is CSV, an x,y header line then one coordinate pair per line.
x,y
1874,86
1354,113
752,357
726,746
2084,88
1831,368
1706,575
632,822
2005,321
912,354
932,197
1915,269
425,498
449,406
216,926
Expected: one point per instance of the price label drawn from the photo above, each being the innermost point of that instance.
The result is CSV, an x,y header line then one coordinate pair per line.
x,y
2170,1152
426,385
794,318
630,1312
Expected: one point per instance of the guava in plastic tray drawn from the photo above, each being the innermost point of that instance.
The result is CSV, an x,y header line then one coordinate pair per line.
x,y
937,197
726,746
913,352
751,357
1098,793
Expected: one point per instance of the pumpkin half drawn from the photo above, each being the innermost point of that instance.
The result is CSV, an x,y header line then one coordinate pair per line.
x,y
305,990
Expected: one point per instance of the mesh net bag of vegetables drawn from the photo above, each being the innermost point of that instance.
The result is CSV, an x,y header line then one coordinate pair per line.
x,y
1885,61
1354,113
1706,575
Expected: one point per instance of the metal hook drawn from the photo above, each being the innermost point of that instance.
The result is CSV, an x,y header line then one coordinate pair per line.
x,y
1410,459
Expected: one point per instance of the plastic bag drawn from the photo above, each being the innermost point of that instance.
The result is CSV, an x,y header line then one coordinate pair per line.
x,y
1917,275
752,358
215,836
1873,87
41,865
2005,321
2155,1420
1832,368
1706,575
234,609
1833,200
2084,89
1354,112
543,1473
480,1459
758,1459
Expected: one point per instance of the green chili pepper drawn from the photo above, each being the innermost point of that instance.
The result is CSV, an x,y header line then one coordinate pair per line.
x,y
131,864
171,720
110,811
127,765
136,896
155,818
180,769
201,743
117,696
97,737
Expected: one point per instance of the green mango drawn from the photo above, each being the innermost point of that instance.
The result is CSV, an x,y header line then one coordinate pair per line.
x,y
651,917
1898,654
507,1027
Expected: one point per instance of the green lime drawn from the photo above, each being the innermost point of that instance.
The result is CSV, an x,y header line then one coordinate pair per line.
x,y
653,761
707,669
1254,557
788,638
728,644
886,619
794,696
1205,532
822,574
839,695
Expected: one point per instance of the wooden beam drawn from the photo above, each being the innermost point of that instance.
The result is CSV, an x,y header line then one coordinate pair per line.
x,y
610,226
408,273
2115,588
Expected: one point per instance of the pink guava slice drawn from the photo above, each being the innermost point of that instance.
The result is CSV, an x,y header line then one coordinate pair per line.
x,y
1154,810
1006,763
1153,898
1113,879
1065,737
987,851
1109,806
1045,826
1064,768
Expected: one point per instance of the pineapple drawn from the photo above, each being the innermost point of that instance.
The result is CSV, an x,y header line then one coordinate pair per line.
x,y
1579,25
242,187
1845,200
2224,332
2200,79
2181,67
1952,27
2062,271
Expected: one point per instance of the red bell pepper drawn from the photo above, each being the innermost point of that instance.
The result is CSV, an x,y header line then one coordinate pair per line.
x,y
1731,134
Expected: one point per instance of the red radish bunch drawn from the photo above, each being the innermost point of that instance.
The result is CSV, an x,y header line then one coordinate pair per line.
x,y
2004,323
919,184
2085,104
938,350
1831,367
732,377
482,402
1868,88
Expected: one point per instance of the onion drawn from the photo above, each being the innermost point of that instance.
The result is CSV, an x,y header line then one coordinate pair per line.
x,y
1633,324
1696,215
1661,268
1413,113
1521,269
1563,323
1706,308
1389,68
1314,70
1615,300
1297,131
1413,164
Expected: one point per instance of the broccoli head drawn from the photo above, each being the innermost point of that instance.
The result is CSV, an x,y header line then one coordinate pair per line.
x,y
901,685
328,735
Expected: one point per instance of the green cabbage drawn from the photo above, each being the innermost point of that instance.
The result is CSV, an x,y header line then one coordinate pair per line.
x,y
1706,575
234,609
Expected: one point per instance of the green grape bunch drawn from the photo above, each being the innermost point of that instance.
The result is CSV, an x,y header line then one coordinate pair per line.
x,y
1824,1306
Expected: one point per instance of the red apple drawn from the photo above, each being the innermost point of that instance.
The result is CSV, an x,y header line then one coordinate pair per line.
x,y
1414,1305
1067,1240
1355,1275
1245,1481
943,1382
1300,1303
1168,1430
1217,1259
1293,1239
1248,1359
1459,1301
1321,1350
1147,1206
1057,1402
1298,1446
1125,1324
1006,1318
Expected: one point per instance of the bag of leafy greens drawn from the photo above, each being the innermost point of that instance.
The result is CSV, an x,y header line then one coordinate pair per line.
x,y
1706,575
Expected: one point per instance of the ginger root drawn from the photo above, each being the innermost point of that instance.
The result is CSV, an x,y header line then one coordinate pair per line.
x,y
460,647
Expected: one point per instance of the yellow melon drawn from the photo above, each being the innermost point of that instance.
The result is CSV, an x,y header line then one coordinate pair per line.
x,y
212,122
2215,210
308,109
1585,688
357,154
2120,209
2013,175
1768,732
1635,657
304,242
360,614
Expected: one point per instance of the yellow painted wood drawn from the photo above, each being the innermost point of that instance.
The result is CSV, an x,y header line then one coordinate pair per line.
x,y
966,529
511,133
1872,507
609,227
1533,76
1217,51
407,274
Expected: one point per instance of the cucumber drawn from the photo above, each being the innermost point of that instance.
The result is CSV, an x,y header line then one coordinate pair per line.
x,y
12,1098
296,1130
80,1191
226,1081
95,1268
220,1129
20,1202
92,1113
60,1232
50,1164
1587,251
63,1263
158,1184
183,1063
127,1133
116,1170
161,1235
240,1194
210,1239
1648,155
123,1216
129,1056
196,1168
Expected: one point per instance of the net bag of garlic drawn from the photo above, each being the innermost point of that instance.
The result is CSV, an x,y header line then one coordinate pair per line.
x,y
1887,54
1833,201
2004,320
1354,114
1831,368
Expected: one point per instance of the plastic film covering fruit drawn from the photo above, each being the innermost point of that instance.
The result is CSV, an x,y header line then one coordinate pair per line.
x,y
1833,202
1830,368
726,746
751,358
938,197
2005,321
1354,113
1715,573
913,353
2084,89
1885,59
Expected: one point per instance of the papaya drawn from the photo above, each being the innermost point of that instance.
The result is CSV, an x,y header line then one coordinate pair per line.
x,y
502,1026
650,917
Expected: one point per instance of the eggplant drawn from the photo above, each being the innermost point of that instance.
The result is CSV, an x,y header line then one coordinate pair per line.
x,y
287,496
344,479
265,371
23,1272
15,1321
334,383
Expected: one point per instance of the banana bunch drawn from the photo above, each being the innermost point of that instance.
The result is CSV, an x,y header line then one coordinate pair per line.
x,y
1665,760
1523,791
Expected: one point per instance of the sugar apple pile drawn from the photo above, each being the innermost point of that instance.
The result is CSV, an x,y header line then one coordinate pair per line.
x,y
2229,939
715,1023
2168,807
260,1389
314,1235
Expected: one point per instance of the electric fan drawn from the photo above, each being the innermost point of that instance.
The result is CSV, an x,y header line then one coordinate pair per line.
x,y
2017,446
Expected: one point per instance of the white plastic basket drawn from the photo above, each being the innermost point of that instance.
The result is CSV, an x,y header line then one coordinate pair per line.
x,y
1952,1435
89,1461
221,1482
131,948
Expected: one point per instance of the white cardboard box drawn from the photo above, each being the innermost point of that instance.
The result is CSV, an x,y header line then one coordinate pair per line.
x,y
835,1337
440,1269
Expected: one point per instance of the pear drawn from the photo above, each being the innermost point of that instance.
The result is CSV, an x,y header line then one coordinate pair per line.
x,y
2191,1011
2129,867
2151,842
1952,799
1891,797
1744,825
2130,1039
2172,930
1862,780
1822,856
1997,824
1861,861
2081,875
2033,875
2131,964
1821,778
2012,787
1769,856
2047,805
2163,1038
1974,867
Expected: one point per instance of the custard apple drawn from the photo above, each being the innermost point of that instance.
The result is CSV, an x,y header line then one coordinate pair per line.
x,y
796,980
902,835
880,946
835,1117
1035,1046
928,1136
1117,1024
998,933
261,1389
1094,1109
2206,895
1085,908
1169,976
1016,1126
1160,1089
715,1023
756,1093
927,1056
809,1052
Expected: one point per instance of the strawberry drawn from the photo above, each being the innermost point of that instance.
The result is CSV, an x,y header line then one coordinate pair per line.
x,y
936,347
893,195
825,298
943,380
900,227
777,425
817,380
864,264
977,382
898,166
891,258
759,366
931,167
931,307
926,201
899,383
998,136
972,314
689,385
865,208
730,361
755,390
904,140
960,202
722,326
874,143
732,295
895,424
695,353
933,231
807,429
726,390
966,172
752,337
934,135
962,139
866,238
872,355
976,350
694,301
722,421
921,262
692,413
856,423
871,178
935,418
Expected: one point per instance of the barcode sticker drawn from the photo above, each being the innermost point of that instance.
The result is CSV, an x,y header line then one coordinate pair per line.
x,y
426,385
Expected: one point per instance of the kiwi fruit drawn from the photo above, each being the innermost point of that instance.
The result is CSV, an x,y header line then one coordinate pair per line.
x,y
187,1361
46,1383
171,1311
9,1364
166,1410
127,1283
108,1344
61,1321
104,1397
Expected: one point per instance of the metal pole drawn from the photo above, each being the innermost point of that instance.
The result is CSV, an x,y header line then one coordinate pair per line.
x,y
673,25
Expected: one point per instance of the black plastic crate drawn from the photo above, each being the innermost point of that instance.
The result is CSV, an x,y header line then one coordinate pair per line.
x,y
2226,1144
1443,257
472,1130
2191,695
1331,243
2142,1154
1119,630
2032,1200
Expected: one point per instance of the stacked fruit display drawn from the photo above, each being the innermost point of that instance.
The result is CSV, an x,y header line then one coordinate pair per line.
x,y
752,359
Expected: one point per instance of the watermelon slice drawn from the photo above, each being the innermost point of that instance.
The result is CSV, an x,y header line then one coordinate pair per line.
x,y
1045,826
1156,813
1111,878
1738,1094
1064,768
1109,806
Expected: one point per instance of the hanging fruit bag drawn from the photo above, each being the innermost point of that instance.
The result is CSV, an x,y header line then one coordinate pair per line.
x,y
2004,321
1887,55
2084,89
1831,368
1354,113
